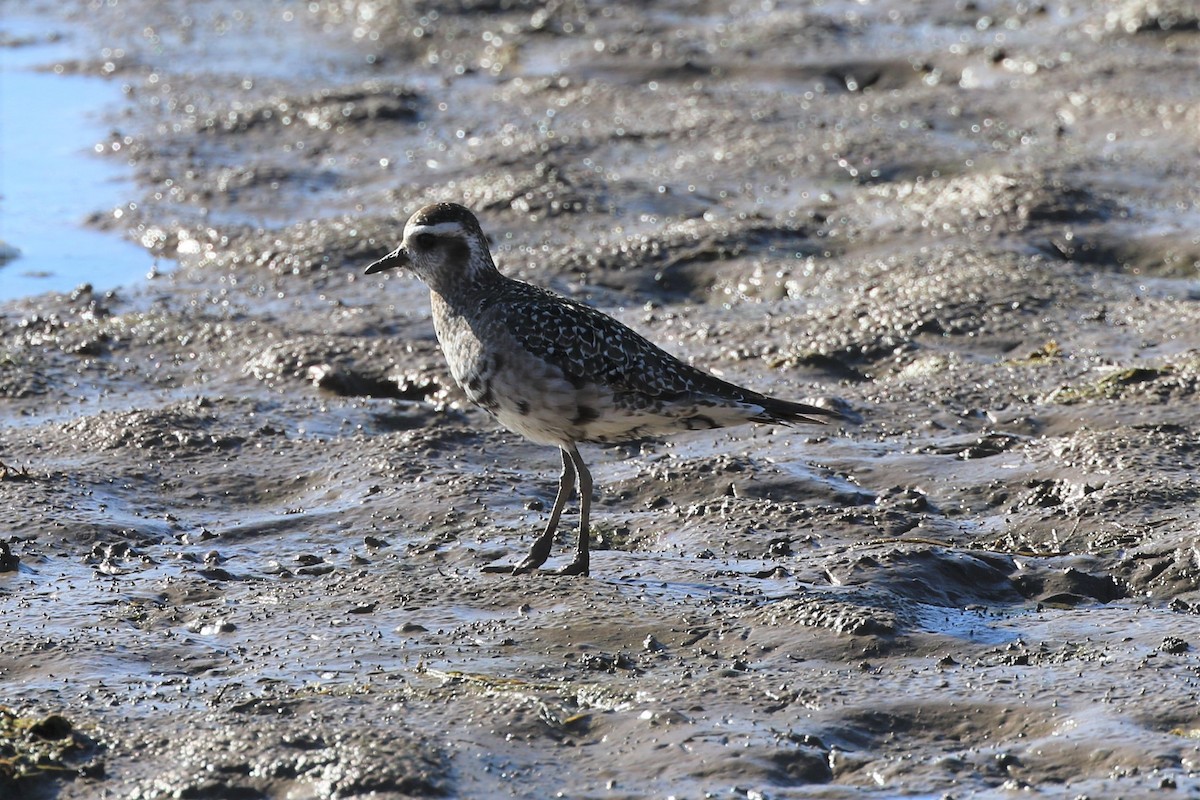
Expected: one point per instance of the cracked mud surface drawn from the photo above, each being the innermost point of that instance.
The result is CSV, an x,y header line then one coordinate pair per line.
x,y
246,510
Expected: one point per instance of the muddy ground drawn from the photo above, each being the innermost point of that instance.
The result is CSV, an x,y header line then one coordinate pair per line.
x,y
248,511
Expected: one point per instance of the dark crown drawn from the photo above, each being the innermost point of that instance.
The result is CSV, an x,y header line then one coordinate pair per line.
x,y
440,213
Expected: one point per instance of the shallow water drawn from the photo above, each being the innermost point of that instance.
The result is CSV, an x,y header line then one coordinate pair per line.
x,y
51,178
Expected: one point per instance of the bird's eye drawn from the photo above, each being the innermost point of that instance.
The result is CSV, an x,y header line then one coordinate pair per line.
x,y
425,240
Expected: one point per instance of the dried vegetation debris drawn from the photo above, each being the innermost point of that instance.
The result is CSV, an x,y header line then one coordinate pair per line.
x,y
1175,379
38,751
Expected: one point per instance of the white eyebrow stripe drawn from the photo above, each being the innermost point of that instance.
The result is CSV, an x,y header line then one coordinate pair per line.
x,y
440,229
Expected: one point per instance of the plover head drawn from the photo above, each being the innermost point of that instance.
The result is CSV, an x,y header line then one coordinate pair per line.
x,y
443,245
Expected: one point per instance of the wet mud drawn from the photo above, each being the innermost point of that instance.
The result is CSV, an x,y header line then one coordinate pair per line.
x,y
245,510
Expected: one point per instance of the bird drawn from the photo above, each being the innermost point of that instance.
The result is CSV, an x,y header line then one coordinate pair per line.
x,y
557,371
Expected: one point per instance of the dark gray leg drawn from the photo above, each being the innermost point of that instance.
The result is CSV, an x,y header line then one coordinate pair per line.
x,y
541,547
579,566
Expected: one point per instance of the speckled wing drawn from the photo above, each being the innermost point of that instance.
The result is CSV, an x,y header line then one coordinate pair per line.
x,y
591,347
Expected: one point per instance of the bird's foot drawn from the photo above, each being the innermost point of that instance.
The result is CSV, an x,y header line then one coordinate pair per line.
x,y
529,564
577,567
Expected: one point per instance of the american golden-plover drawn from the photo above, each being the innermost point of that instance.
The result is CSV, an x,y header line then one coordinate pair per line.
x,y
557,371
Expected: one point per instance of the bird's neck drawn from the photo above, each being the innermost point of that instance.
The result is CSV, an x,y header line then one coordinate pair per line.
x,y
468,288
468,271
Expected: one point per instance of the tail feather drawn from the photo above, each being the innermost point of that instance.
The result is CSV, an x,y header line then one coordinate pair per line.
x,y
787,412
774,410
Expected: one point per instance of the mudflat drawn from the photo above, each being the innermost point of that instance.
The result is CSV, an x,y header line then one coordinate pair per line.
x,y
244,511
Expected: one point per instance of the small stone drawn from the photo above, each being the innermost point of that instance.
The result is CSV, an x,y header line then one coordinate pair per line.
x,y
1173,645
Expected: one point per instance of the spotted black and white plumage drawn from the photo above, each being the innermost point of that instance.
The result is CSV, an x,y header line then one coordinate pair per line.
x,y
557,371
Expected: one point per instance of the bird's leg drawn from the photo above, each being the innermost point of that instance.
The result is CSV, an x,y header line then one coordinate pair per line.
x,y
541,548
579,566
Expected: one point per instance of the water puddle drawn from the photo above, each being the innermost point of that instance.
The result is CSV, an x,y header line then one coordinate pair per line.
x,y
50,178
967,625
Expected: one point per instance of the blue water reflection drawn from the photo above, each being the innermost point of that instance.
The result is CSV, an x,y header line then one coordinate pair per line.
x,y
51,179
